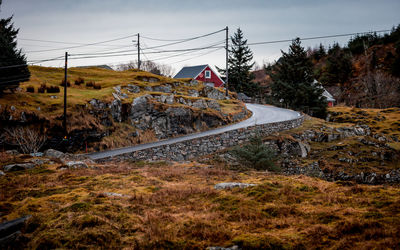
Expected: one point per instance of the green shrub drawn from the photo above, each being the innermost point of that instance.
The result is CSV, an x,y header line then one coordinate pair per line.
x,y
256,155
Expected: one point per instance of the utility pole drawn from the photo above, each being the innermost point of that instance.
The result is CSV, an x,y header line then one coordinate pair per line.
x,y
65,94
138,50
226,59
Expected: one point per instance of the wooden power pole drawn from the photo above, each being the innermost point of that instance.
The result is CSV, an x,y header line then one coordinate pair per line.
x,y
138,50
65,93
227,57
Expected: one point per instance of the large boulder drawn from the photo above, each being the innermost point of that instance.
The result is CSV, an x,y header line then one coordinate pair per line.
x,y
52,153
18,167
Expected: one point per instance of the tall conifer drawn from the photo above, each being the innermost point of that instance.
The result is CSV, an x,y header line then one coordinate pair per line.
x,y
13,67
293,82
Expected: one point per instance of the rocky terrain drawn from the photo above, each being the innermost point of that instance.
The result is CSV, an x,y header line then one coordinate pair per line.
x,y
361,145
130,108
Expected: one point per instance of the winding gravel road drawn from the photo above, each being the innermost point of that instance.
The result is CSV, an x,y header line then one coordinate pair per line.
x,y
261,115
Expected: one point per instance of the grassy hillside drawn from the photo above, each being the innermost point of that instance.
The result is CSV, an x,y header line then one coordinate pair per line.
x,y
80,95
46,109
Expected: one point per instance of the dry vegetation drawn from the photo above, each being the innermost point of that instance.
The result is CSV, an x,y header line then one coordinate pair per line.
x,y
174,205
44,109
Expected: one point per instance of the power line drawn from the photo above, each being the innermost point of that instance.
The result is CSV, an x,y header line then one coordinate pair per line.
x,y
83,45
209,52
186,40
33,62
59,42
319,37
184,53
118,53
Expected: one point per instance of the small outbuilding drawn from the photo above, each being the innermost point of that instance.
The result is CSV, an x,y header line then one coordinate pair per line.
x,y
202,73
329,98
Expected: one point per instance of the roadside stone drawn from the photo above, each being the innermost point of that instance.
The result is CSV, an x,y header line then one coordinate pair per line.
x,y
51,153
229,185
18,167
76,165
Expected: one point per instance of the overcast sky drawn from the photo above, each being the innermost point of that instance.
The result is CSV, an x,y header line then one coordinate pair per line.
x,y
90,21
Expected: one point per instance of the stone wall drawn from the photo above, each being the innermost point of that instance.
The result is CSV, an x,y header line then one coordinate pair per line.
x,y
209,144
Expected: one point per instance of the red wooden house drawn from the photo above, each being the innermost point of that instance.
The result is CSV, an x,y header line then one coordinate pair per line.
x,y
202,73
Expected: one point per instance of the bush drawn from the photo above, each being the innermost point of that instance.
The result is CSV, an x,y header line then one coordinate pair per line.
x,y
79,81
30,89
256,155
53,89
96,86
63,83
90,84
42,88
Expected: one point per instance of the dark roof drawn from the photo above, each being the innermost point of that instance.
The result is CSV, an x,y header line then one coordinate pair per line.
x,y
190,72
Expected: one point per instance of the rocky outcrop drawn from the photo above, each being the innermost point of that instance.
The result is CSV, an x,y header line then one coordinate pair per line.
x,y
213,93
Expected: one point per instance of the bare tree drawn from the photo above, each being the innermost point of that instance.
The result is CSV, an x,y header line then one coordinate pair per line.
x,y
28,140
150,66
381,90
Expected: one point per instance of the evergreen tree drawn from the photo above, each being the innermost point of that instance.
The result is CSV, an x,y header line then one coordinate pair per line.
x,y
13,67
338,66
239,66
293,82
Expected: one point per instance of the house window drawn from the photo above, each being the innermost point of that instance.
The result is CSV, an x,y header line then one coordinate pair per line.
x,y
208,74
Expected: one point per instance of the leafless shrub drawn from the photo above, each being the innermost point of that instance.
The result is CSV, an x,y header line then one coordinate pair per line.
x,y
28,140
150,66
381,90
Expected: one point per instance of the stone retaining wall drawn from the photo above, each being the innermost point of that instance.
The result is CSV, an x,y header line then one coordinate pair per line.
x,y
209,144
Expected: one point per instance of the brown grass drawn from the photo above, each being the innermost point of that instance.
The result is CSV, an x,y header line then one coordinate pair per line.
x,y
173,205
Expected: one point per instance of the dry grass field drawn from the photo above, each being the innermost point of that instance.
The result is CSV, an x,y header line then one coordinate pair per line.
x,y
174,206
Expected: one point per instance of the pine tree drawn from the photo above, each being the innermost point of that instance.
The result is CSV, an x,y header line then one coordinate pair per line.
x,y
239,66
338,66
13,67
293,82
